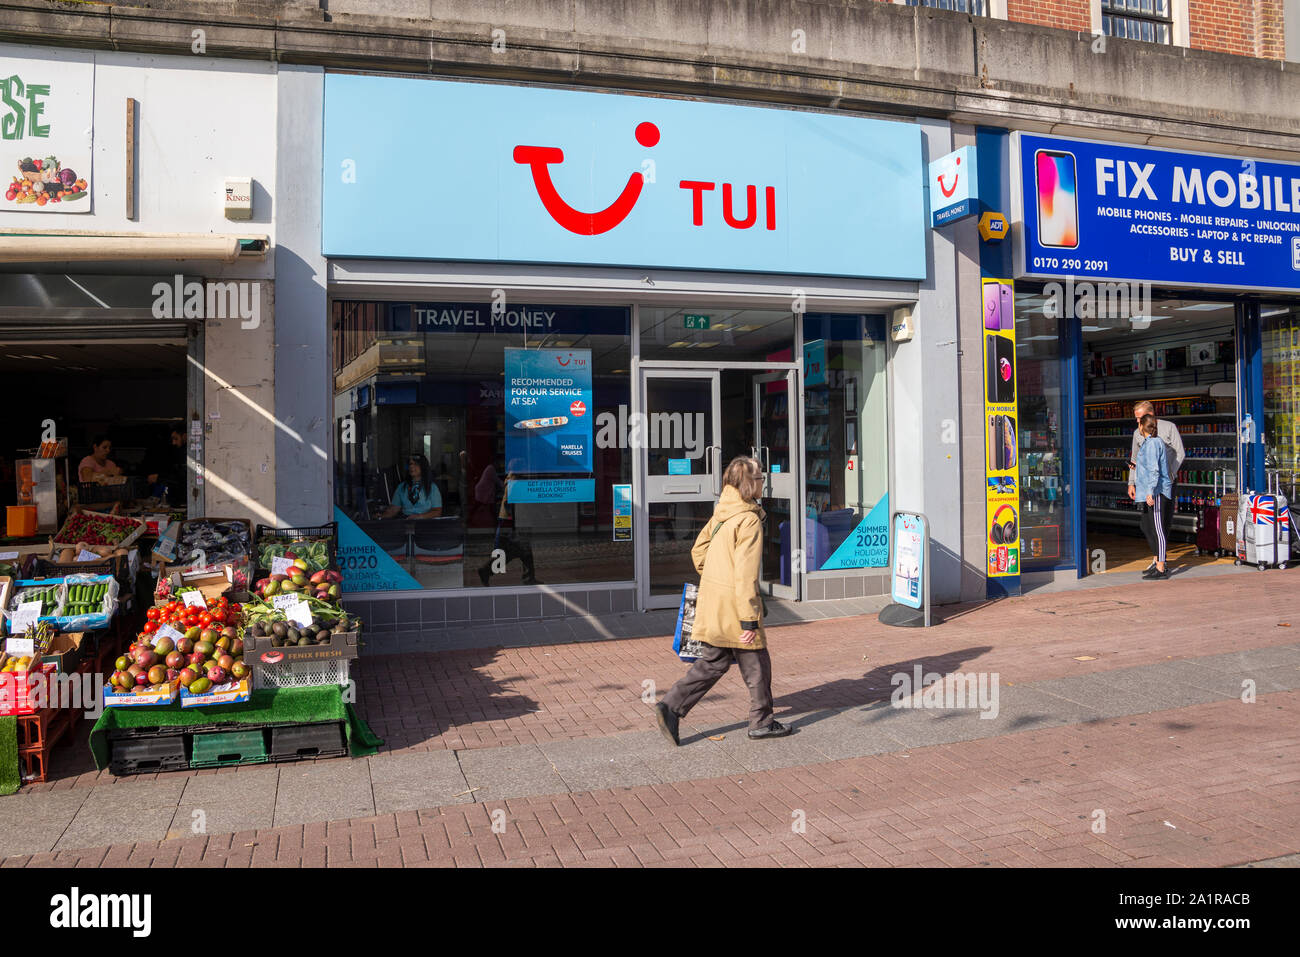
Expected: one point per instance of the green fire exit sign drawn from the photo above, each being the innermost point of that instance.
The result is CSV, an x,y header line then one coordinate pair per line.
x,y
693,321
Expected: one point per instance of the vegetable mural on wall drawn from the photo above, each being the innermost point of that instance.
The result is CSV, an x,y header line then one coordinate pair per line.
x,y
46,132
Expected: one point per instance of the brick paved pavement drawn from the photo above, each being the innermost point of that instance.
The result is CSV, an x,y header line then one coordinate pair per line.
x,y
1223,773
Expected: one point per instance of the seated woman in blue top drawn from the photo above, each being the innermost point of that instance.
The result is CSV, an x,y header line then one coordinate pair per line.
x,y
417,497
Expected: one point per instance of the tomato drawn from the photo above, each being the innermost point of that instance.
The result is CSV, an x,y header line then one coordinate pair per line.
x,y
150,627
205,619
153,613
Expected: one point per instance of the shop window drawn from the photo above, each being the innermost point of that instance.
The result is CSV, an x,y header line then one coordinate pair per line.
x,y
1282,395
1147,20
1046,503
978,7
506,408
717,335
845,438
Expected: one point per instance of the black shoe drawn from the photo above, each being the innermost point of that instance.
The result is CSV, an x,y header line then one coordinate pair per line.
x,y
1160,576
667,723
1150,572
774,730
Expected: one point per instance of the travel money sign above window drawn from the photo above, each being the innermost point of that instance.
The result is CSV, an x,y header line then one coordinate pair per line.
x,y
1101,210
431,169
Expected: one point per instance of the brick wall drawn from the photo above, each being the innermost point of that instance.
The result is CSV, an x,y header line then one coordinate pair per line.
x,y
1066,14
1244,27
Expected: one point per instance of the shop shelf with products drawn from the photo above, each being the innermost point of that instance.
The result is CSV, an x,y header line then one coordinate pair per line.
x,y
1207,423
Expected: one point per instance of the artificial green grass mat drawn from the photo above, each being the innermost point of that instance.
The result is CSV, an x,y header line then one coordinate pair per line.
x,y
9,780
267,706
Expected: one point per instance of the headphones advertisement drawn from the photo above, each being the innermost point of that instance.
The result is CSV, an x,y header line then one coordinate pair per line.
x,y
1002,455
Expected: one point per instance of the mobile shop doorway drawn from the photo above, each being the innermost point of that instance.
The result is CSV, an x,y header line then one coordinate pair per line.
x,y
695,419
1223,370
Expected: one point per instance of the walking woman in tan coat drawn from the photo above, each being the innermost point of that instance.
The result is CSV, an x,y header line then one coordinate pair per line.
x,y
728,608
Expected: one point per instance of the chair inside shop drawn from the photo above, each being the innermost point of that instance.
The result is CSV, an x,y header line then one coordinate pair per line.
x,y
438,540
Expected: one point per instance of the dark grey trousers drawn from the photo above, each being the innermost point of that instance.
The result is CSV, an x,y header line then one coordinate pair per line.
x,y
755,668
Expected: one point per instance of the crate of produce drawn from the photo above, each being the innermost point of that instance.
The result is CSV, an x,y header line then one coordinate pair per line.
x,y
48,591
221,749
214,542
86,528
231,692
148,696
147,755
23,692
301,674
317,544
260,651
303,742
89,602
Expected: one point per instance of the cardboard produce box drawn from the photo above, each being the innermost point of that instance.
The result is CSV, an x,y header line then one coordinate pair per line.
x,y
232,692
163,694
65,652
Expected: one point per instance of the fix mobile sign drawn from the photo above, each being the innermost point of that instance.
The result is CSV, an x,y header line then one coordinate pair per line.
x,y
1101,210
529,174
46,130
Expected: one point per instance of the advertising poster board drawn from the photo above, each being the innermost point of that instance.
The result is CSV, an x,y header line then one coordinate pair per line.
x,y
1001,436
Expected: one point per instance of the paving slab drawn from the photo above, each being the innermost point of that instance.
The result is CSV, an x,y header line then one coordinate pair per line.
x,y
417,779
1227,678
192,820
845,734
1026,707
922,727
1096,695
509,772
33,823
700,760
250,785
312,791
1160,685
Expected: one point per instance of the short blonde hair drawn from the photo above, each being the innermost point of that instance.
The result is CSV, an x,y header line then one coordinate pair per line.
x,y
746,475
1145,407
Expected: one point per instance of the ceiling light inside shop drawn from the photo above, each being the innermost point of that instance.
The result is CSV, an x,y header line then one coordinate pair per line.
x,y
1204,307
679,344
748,328
720,327
1094,329
705,345
562,343
1269,313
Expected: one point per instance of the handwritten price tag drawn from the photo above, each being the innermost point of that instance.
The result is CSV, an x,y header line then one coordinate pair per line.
x,y
25,617
87,556
281,566
299,613
285,602
7,556
194,599
167,631
21,646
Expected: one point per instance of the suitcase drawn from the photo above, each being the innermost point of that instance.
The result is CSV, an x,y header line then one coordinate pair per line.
x,y
1263,530
1228,510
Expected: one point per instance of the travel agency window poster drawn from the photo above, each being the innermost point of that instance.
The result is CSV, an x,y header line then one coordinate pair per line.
x,y
1002,501
548,425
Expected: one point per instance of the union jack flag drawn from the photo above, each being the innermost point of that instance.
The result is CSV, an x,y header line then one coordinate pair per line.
x,y
1264,511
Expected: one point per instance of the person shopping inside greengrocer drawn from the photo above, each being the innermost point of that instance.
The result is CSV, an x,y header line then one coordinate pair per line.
x,y
1167,433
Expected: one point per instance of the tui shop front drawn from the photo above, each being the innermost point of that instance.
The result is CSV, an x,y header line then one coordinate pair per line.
x,y
545,355
1144,274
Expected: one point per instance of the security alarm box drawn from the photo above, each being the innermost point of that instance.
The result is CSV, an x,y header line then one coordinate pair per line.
x,y
239,197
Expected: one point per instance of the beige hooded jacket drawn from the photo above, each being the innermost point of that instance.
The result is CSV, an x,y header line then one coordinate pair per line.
x,y
727,554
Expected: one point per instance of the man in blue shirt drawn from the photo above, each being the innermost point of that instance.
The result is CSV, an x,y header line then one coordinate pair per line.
x,y
418,496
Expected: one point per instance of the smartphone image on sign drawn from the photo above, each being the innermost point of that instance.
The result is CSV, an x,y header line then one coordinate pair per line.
x,y
992,306
1008,307
1058,199
1001,446
1000,369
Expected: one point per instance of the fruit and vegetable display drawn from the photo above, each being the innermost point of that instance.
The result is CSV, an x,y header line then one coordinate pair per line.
x,y
94,529
47,595
207,654
315,552
219,542
43,181
323,585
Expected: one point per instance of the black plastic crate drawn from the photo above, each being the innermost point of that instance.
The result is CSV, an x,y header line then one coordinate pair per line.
x,y
147,755
90,493
303,742
330,531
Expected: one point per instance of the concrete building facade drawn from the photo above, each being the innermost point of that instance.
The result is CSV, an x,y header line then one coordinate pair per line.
x,y
1218,87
